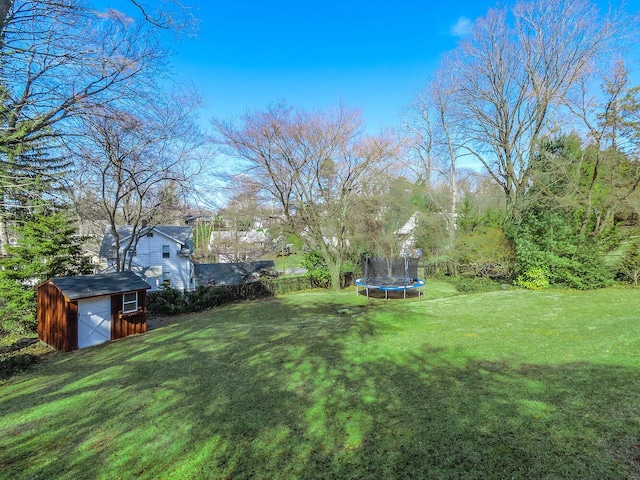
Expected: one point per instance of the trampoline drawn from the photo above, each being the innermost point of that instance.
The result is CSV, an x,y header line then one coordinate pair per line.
x,y
386,275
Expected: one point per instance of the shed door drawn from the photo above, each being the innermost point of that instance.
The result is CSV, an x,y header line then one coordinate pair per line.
x,y
94,321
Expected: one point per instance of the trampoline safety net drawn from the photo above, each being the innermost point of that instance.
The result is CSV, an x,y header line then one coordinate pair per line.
x,y
382,267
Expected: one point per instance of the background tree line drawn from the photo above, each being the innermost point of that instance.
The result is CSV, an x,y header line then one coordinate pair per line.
x,y
544,106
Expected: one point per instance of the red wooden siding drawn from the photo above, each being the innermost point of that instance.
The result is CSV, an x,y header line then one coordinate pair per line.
x,y
72,325
57,319
123,325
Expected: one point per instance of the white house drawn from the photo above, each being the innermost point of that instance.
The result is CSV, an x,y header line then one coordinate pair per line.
x,y
406,233
232,246
161,255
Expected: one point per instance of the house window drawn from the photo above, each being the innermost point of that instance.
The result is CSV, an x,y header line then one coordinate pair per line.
x,y
130,302
166,251
150,234
166,279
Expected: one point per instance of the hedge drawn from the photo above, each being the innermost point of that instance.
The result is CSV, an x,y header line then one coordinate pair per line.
x,y
170,301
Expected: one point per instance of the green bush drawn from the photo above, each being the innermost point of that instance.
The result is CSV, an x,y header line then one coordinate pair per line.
x,y
167,301
485,252
317,270
17,310
288,284
629,269
550,252
471,284
439,265
170,301
535,278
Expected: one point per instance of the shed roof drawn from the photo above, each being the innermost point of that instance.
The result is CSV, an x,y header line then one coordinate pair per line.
x,y
85,286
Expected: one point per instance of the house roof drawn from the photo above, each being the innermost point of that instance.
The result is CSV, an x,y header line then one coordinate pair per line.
x,y
182,235
233,273
250,236
409,226
85,286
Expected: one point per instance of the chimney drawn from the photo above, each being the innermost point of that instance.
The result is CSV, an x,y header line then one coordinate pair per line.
x,y
144,223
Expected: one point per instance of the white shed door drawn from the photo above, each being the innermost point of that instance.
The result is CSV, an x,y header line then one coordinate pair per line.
x,y
94,321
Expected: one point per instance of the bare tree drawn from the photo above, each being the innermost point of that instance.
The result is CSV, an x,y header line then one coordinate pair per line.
x,y
606,175
58,60
168,14
245,235
439,140
313,164
514,73
131,164
172,14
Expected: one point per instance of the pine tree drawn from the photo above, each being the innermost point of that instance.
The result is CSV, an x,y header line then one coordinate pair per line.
x,y
47,246
36,238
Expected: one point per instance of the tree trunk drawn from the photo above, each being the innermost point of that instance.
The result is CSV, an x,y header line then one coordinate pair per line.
x,y
4,230
4,236
5,6
334,271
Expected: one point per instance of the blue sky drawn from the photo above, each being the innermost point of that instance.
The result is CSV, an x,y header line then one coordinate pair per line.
x,y
372,55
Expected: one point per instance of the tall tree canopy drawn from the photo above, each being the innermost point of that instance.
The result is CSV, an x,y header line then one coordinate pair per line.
x,y
313,164
58,61
512,77
135,164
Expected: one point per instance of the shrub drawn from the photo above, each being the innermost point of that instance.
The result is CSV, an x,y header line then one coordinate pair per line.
x,y
17,309
317,270
288,284
170,301
549,252
167,301
629,269
439,265
485,252
534,278
471,284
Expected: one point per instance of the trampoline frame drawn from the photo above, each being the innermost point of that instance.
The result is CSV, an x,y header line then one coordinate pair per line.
x,y
410,284
391,283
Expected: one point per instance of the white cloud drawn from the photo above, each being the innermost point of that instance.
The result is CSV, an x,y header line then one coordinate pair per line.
x,y
461,27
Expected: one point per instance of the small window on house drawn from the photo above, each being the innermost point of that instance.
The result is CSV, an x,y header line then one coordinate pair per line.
x,y
166,251
130,302
150,234
166,279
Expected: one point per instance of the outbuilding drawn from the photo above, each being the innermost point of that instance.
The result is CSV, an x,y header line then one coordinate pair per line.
x,y
85,310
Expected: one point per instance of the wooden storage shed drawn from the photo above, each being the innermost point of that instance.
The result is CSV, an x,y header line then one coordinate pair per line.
x,y
85,310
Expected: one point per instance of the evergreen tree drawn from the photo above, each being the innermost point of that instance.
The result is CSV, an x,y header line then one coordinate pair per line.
x,y
551,245
47,246
36,236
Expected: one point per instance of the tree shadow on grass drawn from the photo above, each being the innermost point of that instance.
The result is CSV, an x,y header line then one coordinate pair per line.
x,y
316,394
21,356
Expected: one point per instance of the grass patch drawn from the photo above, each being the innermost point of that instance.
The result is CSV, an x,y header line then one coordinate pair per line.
x,y
506,384
19,355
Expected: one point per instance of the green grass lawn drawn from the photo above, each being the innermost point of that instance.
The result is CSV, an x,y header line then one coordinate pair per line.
x,y
507,384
